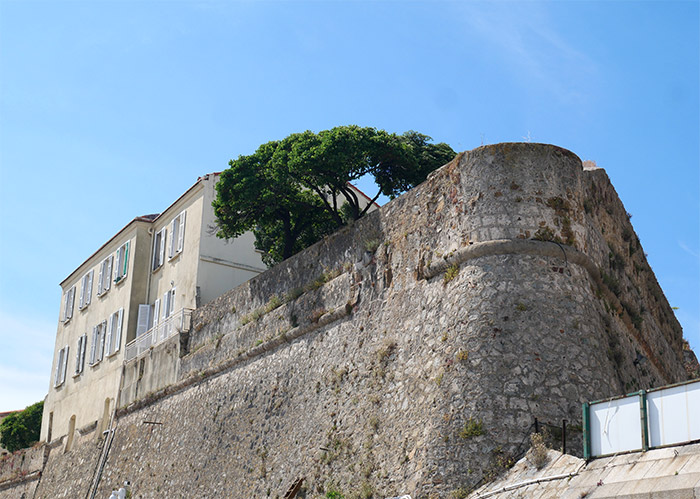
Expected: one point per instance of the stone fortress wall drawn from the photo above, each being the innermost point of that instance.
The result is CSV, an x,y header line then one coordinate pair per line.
x,y
406,354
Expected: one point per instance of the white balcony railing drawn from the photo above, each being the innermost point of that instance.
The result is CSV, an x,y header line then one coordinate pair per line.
x,y
176,323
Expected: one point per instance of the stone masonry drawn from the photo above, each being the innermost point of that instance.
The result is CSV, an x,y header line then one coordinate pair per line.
x,y
407,354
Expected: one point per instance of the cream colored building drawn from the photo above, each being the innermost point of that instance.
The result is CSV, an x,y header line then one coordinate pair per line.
x,y
137,291
133,292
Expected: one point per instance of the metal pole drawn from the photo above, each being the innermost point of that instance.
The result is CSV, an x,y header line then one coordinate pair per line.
x,y
643,418
563,436
586,431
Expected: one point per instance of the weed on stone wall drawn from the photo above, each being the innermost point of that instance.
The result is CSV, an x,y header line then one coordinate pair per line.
x,y
451,272
472,428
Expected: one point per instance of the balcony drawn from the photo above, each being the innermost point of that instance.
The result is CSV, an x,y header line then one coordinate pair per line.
x,y
175,324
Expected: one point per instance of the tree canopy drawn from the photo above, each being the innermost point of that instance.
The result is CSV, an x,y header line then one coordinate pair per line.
x,y
293,192
21,429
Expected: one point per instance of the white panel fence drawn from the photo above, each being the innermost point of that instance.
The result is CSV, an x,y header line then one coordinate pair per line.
x,y
643,420
176,323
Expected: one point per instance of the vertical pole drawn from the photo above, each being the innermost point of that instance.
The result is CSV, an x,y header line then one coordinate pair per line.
x,y
537,426
563,436
586,431
643,419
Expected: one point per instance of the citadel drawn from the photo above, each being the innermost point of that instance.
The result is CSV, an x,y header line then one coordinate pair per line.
x,y
407,354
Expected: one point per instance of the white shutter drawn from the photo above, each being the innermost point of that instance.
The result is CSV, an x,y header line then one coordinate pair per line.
x,y
89,288
108,273
163,239
108,339
77,356
100,278
72,300
173,237
172,302
181,232
57,375
101,347
117,339
83,285
166,305
93,347
65,364
156,312
117,265
143,319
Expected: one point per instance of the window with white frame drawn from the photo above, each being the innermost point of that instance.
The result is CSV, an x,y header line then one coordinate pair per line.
x,y
121,262
98,343
80,355
144,320
177,235
68,301
159,248
61,364
85,290
114,332
168,303
104,277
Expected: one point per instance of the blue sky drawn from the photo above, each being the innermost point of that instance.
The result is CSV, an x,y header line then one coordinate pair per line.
x,y
109,110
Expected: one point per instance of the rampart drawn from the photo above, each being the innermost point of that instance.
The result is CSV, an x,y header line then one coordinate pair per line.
x,y
407,354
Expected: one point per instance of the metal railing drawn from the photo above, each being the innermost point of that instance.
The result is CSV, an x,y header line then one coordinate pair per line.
x,y
175,324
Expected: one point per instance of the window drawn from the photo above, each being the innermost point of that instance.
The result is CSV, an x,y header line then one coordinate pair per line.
x,y
86,290
121,262
104,277
177,235
80,355
143,323
168,303
61,364
69,300
98,343
159,248
114,332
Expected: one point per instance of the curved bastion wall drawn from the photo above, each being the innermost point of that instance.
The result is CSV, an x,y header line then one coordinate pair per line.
x,y
407,354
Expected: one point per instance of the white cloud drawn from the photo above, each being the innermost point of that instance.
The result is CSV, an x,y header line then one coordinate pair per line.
x,y
685,248
527,39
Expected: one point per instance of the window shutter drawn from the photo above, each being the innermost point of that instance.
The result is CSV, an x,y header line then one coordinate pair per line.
x,y
166,305
117,340
181,232
101,348
117,264
108,339
172,302
143,319
89,288
156,312
65,364
83,285
156,251
93,347
108,273
173,238
72,300
100,277
163,239
77,356
126,258
57,375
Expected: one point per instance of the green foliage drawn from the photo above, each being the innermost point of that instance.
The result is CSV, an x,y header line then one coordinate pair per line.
x,y
21,429
472,428
451,272
334,494
293,192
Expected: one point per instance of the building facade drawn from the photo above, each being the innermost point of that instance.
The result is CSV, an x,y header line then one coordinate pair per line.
x,y
133,292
